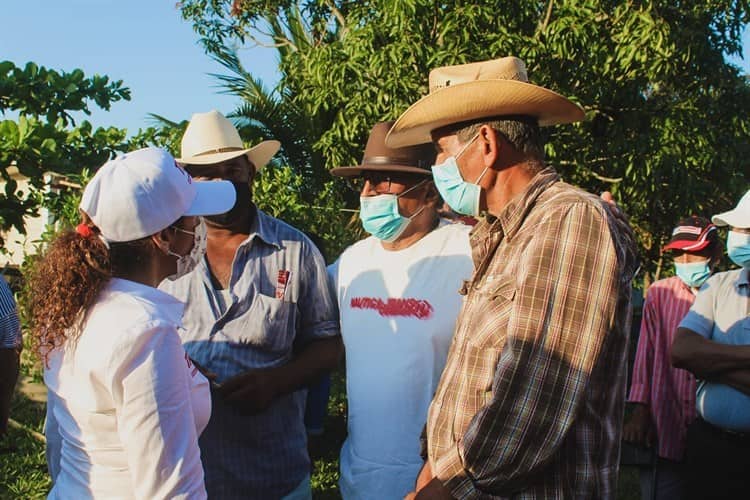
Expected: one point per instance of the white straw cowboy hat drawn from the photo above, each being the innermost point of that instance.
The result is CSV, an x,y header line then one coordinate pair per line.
x,y
480,90
211,138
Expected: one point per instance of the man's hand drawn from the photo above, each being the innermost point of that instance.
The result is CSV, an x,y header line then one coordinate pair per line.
x,y
607,196
425,476
211,376
638,428
434,490
251,392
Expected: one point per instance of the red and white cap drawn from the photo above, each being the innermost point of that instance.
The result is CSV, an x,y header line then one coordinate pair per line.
x,y
138,194
692,234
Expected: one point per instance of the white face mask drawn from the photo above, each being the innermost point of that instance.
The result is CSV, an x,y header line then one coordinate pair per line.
x,y
187,262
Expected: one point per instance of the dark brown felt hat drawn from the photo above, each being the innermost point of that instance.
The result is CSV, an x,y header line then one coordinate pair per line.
x,y
379,157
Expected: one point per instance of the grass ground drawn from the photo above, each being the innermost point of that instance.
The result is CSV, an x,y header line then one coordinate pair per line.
x,y
23,468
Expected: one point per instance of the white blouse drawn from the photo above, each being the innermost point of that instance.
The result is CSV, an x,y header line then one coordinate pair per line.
x,y
125,404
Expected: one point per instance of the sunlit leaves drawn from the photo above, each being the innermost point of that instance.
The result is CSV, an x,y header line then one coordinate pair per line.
x,y
667,117
44,136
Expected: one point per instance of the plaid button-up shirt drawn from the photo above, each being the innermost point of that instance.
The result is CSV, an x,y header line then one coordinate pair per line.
x,y
530,404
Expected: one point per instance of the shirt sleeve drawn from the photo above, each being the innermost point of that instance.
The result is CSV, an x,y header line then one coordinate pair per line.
x,y
10,326
700,317
155,420
317,303
640,388
53,450
565,304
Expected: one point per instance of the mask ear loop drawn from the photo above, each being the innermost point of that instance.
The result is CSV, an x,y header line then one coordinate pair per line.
x,y
415,186
461,152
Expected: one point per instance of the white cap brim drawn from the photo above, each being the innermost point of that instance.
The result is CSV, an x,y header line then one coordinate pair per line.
x,y
212,198
732,218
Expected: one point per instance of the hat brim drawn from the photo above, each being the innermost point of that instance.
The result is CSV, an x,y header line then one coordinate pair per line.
x,y
732,218
357,170
212,198
687,245
259,155
480,99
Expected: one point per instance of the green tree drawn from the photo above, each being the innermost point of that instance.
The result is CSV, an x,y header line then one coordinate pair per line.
x,y
667,116
45,137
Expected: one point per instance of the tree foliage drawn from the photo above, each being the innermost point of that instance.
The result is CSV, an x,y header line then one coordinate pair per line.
x,y
667,116
44,136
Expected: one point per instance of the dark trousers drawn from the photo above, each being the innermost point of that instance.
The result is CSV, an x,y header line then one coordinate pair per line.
x,y
717,463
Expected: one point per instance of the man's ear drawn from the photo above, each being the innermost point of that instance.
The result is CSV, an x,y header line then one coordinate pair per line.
x,y
490,145
432,195
162,240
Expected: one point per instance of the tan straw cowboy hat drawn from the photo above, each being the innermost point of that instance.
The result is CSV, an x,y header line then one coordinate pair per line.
x,y
211,138
480,90
380,158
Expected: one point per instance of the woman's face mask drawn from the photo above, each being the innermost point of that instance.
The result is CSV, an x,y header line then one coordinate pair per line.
x,y
187,262
381,218
738,248
461,196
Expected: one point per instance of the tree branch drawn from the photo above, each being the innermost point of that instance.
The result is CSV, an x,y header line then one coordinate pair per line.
x,y
337,13
547,16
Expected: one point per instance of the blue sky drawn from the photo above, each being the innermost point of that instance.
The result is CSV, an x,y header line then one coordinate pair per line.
x,y
145,43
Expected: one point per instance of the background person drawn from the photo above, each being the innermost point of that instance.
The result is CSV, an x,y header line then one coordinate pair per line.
x,y
664,397
10,350
713,342
125,404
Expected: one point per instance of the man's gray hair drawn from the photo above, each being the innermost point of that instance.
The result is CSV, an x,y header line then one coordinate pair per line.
x,y
522,132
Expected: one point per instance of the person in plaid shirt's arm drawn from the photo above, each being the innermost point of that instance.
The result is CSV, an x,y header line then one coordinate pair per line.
x,y
530,404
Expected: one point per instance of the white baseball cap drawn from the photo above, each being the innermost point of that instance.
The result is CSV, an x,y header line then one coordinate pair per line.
x,y
739,216
142,192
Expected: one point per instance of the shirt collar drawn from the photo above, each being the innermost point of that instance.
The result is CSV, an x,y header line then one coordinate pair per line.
x,y
169,307
743,279
513,215
262,226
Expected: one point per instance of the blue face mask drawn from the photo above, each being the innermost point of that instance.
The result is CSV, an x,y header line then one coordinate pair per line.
x,y
380,216
738,248
693,274
461,196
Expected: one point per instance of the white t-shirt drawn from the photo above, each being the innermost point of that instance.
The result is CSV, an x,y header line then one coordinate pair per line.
x,y
125,404
398,311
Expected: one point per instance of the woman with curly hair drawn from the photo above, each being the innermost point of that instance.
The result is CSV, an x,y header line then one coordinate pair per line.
x,y
125,403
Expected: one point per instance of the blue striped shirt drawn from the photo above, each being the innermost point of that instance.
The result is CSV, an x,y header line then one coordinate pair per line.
x,y
10,327
264,455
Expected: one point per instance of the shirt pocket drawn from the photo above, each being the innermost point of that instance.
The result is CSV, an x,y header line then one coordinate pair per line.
x,y
269,325
492,308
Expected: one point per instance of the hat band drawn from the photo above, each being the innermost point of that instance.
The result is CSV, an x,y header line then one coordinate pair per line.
x,y
387,160
218,150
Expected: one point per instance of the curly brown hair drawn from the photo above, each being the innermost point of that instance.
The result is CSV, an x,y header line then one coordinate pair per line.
x,y
67,278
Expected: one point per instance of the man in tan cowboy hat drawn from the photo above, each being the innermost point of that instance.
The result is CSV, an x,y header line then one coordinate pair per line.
x,y
398,300
260,316
531,400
